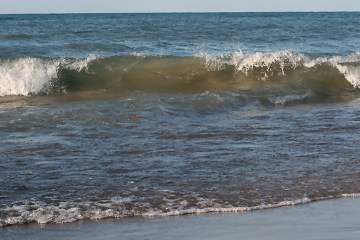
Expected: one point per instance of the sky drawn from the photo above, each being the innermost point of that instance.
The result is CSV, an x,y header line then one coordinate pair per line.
x,y
120,6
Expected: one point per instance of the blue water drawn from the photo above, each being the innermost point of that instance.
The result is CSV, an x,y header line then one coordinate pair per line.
x,y
122,115
180,34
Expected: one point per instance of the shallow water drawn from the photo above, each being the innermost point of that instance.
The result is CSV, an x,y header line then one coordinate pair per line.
x,y
333,219
188,117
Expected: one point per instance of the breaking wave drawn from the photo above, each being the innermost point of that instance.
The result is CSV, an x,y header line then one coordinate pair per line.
x,y
335,75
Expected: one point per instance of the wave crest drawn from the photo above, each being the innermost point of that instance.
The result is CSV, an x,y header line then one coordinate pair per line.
x,y
27,75
172,74
34,75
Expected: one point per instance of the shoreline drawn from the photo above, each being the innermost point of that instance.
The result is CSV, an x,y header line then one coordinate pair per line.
x,y
328,219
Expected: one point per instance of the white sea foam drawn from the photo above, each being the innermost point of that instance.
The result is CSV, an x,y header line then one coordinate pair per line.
x,y
278,62
116,208
350,195
212,63
70,212
351,73
225,209
288,98
141,55
247,63
27,75
81,64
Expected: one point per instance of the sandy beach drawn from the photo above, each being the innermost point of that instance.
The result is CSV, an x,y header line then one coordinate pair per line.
x,y
330,219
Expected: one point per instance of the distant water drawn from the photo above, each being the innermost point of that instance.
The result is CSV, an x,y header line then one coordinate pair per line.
x,y
120,115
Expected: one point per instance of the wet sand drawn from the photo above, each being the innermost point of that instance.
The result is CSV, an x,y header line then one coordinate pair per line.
x,y
330,219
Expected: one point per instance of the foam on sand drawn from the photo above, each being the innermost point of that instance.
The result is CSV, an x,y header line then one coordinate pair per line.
x,y
332,219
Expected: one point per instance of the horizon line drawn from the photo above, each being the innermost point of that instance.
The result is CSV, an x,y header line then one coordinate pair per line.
x,y
180,12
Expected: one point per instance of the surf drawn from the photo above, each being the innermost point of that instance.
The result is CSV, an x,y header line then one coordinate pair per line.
x,y
281,71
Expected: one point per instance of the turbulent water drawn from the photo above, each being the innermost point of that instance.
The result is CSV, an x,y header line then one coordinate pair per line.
x,y
120,115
